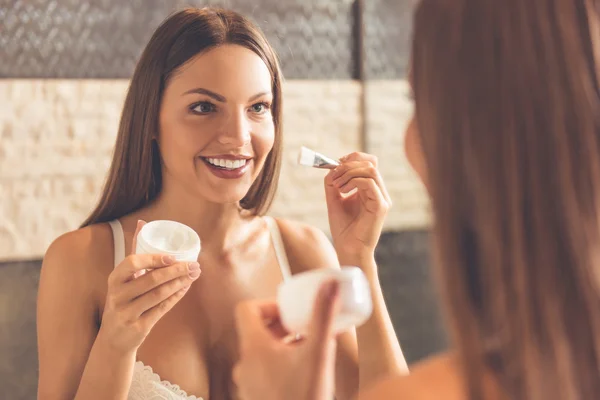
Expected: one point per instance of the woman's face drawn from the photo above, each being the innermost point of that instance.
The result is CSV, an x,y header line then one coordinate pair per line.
x,y
215,127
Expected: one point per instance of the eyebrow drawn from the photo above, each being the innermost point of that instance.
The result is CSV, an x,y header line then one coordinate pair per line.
x,y
208,93
219,97
256,96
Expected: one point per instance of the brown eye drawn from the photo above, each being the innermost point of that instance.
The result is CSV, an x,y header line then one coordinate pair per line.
x,y
259,108
203,108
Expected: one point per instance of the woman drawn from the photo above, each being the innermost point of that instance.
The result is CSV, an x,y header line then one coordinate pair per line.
x,y
506,137
199,143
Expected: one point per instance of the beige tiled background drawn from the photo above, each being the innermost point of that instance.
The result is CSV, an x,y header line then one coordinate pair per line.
x,y
57,137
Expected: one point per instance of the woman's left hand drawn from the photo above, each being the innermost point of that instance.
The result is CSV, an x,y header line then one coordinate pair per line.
x,y
356,220
271,369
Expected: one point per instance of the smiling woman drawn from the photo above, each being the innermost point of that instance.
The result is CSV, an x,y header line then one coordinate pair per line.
x,y
222,130
199,143
179,86
228,166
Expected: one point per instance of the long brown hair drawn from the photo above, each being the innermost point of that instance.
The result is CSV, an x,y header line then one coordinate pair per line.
x,y
134,179
507,104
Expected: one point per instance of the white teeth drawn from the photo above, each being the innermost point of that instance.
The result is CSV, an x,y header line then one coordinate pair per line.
x,y
227,164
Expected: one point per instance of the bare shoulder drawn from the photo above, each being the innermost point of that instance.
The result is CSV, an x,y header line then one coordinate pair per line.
x,y
435,378
307,247
71,295
80,257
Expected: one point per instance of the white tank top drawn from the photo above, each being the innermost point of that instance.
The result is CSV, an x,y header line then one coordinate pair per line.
x,y
146,385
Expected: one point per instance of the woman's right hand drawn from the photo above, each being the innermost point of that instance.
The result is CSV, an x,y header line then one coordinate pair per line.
x,y
135,303
271,369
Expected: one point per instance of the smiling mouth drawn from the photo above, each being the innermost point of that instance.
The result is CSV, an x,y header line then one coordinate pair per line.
x,y
225,164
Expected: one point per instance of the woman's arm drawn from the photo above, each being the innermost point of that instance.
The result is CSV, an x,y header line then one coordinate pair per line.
x,y
73,361
76,358
379,351
372,352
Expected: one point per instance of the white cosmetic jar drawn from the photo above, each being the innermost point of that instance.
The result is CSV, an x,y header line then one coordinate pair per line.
x,y
297,295
169,238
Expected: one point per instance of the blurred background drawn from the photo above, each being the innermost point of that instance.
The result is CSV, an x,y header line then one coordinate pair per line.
x,y
64,71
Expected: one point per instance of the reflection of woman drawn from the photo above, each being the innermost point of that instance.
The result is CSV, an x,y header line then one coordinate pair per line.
x,y
200,143
506,137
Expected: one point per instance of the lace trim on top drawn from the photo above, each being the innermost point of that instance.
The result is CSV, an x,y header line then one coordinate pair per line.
x,y
145,373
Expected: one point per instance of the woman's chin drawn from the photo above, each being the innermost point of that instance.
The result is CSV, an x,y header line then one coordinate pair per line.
x,y
223,191
232,198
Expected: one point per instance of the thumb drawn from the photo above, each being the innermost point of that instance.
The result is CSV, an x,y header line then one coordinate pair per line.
x,y
250,316
140,225
321,333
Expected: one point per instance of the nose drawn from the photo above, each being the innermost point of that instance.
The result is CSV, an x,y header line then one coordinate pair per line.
x,y
236,130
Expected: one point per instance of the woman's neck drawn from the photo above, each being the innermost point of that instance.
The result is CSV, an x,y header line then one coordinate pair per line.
x,y
219,225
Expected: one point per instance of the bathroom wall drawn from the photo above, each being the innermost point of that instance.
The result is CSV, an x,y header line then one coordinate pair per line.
x,y
57,137
65,68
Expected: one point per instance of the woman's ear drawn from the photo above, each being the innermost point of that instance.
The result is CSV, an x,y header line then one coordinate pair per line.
x,y
414,150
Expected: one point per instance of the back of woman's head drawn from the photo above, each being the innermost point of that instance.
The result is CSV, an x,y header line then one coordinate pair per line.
x,y
508,108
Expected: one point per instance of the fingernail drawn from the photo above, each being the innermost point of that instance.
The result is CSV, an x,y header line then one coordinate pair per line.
x,y
195,274
168,260
194,270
